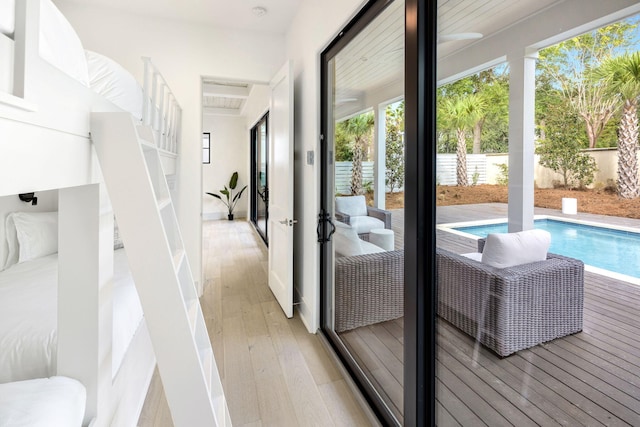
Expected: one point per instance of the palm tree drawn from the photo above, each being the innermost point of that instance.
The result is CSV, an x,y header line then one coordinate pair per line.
x,y
358,127
622,75
462,113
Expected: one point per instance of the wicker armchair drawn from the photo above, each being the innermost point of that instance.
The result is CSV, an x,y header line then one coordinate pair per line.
x,y
368,289
353,210
512,308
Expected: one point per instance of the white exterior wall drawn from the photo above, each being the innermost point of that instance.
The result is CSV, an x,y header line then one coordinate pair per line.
x,y
229,151
314,26
183,52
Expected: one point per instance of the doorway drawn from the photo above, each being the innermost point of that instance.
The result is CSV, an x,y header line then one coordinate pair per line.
x,y
362,272
260,177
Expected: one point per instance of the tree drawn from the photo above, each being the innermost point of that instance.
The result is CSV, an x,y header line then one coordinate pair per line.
x,y
359,129
394,156
461,113
562,154
572,64
343,145
622,75
490,131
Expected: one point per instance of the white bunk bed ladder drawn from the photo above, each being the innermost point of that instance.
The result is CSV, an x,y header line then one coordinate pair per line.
x,y
138,190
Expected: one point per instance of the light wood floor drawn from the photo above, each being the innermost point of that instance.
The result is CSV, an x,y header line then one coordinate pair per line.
x,y
590,378
274,372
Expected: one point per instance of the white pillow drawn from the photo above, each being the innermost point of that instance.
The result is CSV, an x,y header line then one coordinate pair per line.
x,y
346,241
476,256
37,234
60,45
117,239
111,80
352,205
12,242
508,249
7,16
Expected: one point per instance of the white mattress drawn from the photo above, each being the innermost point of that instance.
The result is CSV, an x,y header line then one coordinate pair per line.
x,y
28,317
43,402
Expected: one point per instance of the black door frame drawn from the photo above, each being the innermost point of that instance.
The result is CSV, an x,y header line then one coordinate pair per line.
x,y
420,212
254,171
420,275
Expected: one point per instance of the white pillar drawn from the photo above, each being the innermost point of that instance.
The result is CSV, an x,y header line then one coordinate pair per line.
x,y
522,88
380,166
85,270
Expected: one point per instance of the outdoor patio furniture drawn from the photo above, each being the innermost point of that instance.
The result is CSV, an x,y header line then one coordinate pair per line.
x,y
368,289
369,281
512,308
353,210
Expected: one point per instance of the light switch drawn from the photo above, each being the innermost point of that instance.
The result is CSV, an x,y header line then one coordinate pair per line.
x,y
310,155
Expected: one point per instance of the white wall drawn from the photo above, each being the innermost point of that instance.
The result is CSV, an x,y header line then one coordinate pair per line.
x,y
257,104
315,25
183,52
229,152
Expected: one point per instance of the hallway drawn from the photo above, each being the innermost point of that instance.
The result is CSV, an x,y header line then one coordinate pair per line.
x,y
273,371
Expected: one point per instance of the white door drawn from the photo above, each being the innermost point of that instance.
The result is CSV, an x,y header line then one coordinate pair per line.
x,y
281,220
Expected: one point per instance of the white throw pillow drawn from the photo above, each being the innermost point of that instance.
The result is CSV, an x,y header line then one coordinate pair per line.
x,y
508,249
352,205
37,234
476,256
12,242
370,248
345,241
7,15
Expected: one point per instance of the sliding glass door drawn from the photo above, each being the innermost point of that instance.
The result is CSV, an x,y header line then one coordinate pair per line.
x,y
361,224
260,183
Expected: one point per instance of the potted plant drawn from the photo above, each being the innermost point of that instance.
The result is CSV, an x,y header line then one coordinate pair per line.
x,y
230,199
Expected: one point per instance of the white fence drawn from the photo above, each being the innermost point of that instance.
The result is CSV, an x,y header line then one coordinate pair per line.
x,y
446,169
343,176
488,170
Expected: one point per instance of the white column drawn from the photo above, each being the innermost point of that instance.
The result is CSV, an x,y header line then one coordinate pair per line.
x,y
380,166
85,269
522,88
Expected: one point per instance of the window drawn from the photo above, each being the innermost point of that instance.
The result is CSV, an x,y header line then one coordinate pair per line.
x,y
206,148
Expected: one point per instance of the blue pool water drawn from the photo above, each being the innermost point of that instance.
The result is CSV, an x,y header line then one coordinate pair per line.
x,y
613,250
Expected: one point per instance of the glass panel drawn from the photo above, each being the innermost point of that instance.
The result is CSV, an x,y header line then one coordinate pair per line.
x,y
260,156
525,336
206,147
365,170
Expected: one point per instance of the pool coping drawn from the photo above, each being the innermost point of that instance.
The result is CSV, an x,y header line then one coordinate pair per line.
x,y
449,228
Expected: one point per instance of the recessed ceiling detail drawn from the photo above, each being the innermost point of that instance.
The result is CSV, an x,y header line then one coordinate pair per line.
x,y
224,98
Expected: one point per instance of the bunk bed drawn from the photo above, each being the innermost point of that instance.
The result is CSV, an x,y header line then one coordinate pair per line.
x,y
49,86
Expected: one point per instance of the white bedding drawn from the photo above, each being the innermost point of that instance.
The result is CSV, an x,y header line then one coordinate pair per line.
x,y
43,402
28,317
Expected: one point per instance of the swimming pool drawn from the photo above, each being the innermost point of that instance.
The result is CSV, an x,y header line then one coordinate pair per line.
x,y
615,250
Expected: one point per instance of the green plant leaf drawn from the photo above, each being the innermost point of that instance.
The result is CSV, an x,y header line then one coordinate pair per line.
x,y
233,181
217,196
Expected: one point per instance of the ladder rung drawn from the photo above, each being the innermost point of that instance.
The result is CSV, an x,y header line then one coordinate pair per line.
x,y
206,359
178,254
164,202
192,311
146,145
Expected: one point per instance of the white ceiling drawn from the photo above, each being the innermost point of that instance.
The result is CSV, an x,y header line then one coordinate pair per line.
x,y
373,60
220,13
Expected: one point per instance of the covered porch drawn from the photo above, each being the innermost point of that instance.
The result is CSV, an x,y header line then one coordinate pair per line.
x,y
590,378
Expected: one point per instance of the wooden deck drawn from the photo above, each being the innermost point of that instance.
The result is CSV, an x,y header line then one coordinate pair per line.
x,y
590,378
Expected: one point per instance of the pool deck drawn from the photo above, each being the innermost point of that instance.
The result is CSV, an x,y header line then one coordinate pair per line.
x,y
590,378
